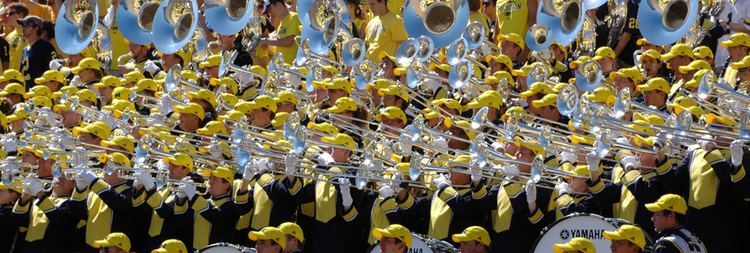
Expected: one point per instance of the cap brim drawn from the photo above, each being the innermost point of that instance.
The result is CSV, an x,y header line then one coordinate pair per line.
x,y
654,207
257,235
613,235
102,243
460,238
559,248
160,250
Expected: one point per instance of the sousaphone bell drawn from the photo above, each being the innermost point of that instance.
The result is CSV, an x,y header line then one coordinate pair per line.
x,y
136,18
75,25
665,22
228,17
441,20
175,22
564,19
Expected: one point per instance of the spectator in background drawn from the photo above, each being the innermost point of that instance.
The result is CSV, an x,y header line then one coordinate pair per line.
x,y
13,34
288,28
4,53
41,10
385,31
39,52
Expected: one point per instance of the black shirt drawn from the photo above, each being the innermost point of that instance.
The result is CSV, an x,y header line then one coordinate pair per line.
x,y
4,50
35,60
631,26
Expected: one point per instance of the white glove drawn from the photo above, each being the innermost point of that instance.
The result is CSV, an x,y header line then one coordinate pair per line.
x,y
567,156
396,181
706,143
385,192
622,140
55,65
9,144
165,104
145,179
346,194
188,189
76,81
736,152
260,165
406,144
249,172
108,118
592,160
441,182
109,17
151,67
530,192
294,81
290,164
48,117
243,79
476,174
563,188
497,146
325,159
441,145
33,187
511,170
84,179
630,162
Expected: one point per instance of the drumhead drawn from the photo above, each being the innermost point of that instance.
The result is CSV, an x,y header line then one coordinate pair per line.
x,y
225,248
589,226
417,246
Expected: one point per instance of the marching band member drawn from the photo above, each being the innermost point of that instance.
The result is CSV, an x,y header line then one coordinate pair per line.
x,y
626,239
679,55
384,32
670,217
738,46
269,240
577,244
286,30
114,243
260,111
474,239
171,246
605,56
9,194
393,239
294,236
655,93
651,64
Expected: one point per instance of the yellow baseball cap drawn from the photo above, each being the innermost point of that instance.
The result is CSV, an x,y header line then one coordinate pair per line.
x,y
343,104
391,112
703,52
51,75
228,98
341,139
121,93
473,233
547,100
124,141
232,115
286,96
15,185
537,88
12,75
744,63
679,49
504,75
42,102
189,75
204,94
643,142
323,127
37,91
191,108
657,83
180,159
513,37
712,119
695,65
18,113
108,81
133,76
737,39
171,246
529,144
380,84
86,95
602,95
211,61
116,157
489,98
501,58
670,202
146,84
13,88
630,73
86,63
269,233
604,52
443,66
393,231
578,244
339,84
653,54
228,82
627,232
212,128
119,106
579,61
641,42
383,54
98,129
220,172
394,90
448,103
263,101
291,228
118,240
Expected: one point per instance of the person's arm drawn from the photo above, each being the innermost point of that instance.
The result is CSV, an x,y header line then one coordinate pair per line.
x,y
622,42
283,42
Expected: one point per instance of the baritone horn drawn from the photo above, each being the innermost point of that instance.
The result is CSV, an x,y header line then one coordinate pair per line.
x,y
135,18
175,22
665,22
228,17
441,20
75,25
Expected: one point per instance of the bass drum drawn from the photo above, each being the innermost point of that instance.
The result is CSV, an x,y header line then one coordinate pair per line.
x,y
424,244
223,247
589,226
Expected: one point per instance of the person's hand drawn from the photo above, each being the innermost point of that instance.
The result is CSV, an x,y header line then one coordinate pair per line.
x,y
76,81
530,192
346,194
84,179
33,187
151,67
261,165
630,162
441,182
187,190
563,188
55,65
706,142
385,192
736,152
9,143
290,164
567,156
325,159
511,170
396,180
592,160
249,172
145,179
476,174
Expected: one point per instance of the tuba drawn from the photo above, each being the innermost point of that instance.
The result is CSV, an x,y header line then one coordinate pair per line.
x,y
588,76
103,44
75,25
135,19
616,20
228,17
665,22
537,38
321,21
564,19
175,23
441,20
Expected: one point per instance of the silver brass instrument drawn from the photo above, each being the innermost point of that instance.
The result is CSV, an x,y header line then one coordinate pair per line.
x,y
175,22
564,19
664,23
135,18
442,21
228,17
75,25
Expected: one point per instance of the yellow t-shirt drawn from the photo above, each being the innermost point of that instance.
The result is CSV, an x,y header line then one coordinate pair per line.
x,y
512,16
289,26
42,11
478,17
17,44
384,34
119,45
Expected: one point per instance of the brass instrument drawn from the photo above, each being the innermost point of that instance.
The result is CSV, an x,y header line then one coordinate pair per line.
x,y
75,25
175,21
665,22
